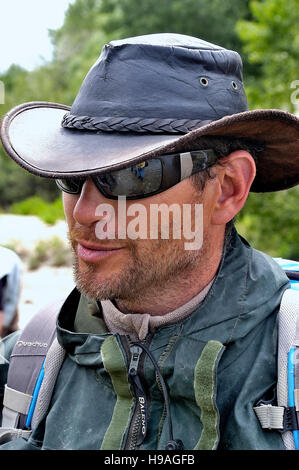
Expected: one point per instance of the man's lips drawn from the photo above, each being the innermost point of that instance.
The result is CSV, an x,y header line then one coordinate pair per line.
x,y
93,252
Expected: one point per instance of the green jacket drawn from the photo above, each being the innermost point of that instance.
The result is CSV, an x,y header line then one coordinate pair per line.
x,y
217,363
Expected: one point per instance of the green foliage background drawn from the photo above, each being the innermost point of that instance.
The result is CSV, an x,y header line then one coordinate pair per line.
x,y
265,32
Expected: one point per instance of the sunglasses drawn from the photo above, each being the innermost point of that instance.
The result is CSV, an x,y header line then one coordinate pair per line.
x,y
146,178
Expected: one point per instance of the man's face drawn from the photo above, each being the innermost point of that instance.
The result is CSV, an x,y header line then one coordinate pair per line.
x,y
132,266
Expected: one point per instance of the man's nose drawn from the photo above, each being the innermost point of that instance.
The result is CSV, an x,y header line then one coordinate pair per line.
x,y
85,210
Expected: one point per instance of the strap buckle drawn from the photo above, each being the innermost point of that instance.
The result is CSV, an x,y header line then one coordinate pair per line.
x,y
279,418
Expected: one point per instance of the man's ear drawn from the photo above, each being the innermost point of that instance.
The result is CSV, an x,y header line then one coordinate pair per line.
x,y
235,178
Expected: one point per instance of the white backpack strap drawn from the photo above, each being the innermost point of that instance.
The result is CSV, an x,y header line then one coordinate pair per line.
x,y
283,417
53,363
288,337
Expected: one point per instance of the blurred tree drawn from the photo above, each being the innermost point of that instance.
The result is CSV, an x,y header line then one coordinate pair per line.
x,y
270,222
16,184
56,81
78,43
213,21
22,86
271,41
196,18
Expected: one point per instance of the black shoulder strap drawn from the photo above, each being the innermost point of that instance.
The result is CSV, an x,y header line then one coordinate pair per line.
x,y
292,275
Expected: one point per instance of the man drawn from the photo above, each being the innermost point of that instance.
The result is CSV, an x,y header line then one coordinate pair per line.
x,y
10,287
167,343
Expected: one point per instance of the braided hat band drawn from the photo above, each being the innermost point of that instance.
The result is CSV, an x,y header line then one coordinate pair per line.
x,y
125,124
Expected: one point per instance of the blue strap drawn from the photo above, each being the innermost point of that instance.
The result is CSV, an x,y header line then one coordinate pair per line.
x,y
35,395
291,389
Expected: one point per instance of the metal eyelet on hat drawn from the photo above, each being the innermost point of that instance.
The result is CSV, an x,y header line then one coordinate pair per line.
x,y
234,85
204,81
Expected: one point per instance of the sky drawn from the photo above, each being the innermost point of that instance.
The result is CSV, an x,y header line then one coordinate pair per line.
x,y
24,25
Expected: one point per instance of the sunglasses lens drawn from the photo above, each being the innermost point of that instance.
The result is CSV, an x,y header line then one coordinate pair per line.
x,y
70,185
145,178
137,181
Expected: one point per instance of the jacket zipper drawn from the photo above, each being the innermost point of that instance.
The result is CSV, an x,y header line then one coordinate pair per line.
x,y
138,423
138,416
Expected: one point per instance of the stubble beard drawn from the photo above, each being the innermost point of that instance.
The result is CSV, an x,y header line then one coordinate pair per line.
x,y
151,267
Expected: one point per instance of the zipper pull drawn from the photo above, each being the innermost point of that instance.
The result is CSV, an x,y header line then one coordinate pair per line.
x,y
136,352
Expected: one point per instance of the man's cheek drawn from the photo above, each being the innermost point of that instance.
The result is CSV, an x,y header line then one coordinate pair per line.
x,y
69,203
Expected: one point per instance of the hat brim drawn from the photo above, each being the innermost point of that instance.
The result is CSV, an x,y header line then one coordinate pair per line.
x,y
32,135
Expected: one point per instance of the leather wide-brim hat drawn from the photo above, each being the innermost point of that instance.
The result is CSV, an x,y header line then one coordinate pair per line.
x,y
145,97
